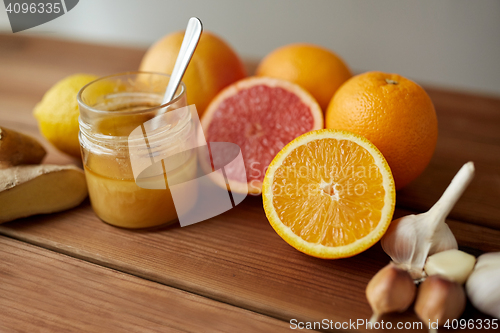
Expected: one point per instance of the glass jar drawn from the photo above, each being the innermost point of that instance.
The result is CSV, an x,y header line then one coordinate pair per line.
x,y
113,107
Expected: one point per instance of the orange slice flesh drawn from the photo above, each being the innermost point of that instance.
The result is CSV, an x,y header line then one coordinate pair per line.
x,y
329,194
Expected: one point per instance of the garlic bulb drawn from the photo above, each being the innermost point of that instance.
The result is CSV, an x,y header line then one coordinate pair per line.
x,y
410,239
483,285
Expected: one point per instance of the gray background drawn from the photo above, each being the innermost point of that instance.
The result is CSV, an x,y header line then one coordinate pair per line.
x,y
446,43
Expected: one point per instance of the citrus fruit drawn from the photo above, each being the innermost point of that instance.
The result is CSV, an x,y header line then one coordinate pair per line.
x,y
314,68
261,115
329,194
57,113
214,66
395,114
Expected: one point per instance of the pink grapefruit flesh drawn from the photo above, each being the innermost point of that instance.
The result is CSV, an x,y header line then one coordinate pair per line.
x,y
261,115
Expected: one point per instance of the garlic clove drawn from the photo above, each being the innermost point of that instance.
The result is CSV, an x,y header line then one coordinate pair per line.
x,y
400,242
411,239
483,285
439,300
443,240
455,265
390,290
488,260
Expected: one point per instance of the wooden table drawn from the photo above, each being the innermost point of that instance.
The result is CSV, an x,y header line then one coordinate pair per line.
x,y
69,272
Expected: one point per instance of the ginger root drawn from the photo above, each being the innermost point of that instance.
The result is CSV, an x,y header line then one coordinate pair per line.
x,y
40,189
17,148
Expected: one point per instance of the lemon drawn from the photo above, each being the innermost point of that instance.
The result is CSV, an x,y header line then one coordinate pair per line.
x,y
57,113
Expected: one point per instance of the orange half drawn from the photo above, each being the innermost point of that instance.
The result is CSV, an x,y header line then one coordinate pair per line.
x,y
329,193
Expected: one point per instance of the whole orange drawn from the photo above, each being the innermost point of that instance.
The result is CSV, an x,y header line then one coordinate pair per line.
x,y
213,67
395,114
314,68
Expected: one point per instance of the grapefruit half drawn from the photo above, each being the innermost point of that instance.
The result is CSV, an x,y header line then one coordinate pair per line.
x,y
261,115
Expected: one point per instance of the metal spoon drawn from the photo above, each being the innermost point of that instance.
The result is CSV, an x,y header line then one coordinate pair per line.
x,y
189,43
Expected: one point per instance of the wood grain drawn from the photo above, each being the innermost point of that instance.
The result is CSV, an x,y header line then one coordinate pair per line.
x,y
469,125
234,258
43,291
469,130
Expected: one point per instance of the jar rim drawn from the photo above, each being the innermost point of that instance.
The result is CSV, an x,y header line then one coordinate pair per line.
x,y
92,138
161,106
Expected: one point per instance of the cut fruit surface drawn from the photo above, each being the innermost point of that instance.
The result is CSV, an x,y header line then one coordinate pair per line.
x,y
329,194
261,115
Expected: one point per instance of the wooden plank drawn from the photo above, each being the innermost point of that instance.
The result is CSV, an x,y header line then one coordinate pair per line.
x,y
469,125
31,65
235,258
43,291
469,130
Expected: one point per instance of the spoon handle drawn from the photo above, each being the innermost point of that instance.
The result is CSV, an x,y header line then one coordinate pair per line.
x,y
189,43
